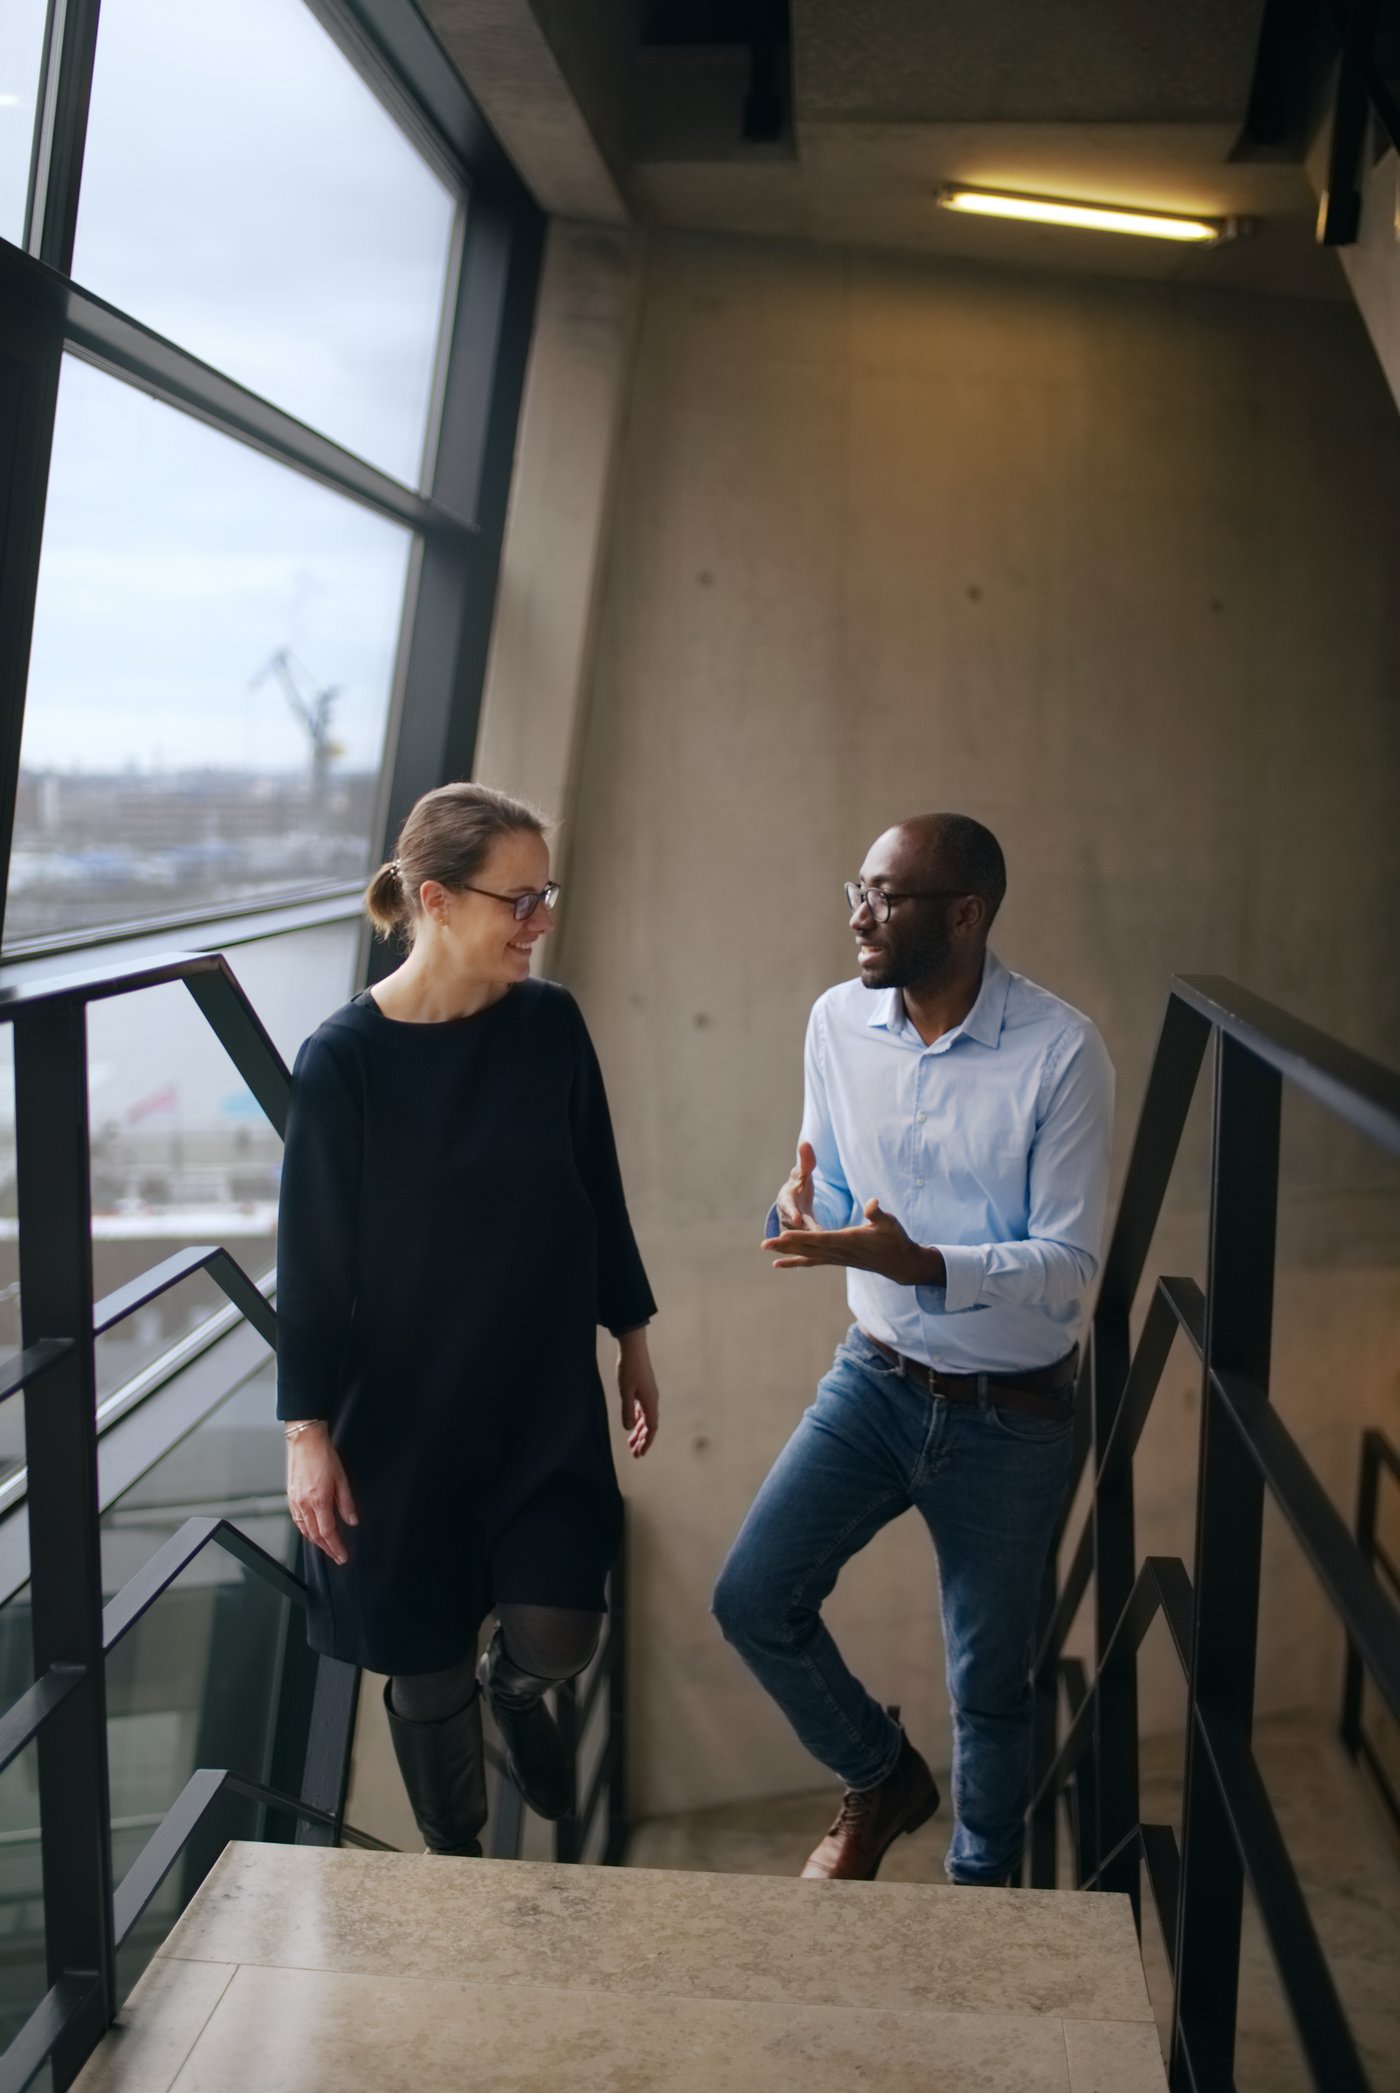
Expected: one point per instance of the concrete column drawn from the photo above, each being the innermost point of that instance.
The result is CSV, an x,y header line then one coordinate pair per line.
x,y
557,527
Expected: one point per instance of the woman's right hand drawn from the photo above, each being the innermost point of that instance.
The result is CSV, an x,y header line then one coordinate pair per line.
x,y
318,1491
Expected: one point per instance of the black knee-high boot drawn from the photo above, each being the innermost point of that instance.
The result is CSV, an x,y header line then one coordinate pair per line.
x,y
444,1770
539,1764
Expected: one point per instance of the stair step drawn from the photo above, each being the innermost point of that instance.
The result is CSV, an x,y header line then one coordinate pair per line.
x,y
298,1968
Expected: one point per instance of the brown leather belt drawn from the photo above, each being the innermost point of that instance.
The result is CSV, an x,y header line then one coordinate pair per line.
x,y
1047,1392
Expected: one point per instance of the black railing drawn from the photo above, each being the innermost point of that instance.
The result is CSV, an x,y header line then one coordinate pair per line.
x,y
1378,1457
1230,1834
63,1713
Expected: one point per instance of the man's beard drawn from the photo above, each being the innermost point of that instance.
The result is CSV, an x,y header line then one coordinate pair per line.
x,y
911,961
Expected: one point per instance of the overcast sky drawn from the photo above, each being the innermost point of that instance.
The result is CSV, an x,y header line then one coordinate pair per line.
x,y
21,46
245,194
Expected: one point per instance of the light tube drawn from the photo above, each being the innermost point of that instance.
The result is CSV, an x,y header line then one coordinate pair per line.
x,y
1089,217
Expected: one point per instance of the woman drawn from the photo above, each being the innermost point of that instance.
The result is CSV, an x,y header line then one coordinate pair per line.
x,y
453,1230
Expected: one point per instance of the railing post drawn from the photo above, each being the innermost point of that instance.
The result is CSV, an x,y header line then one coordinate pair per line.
x,y
1044,1858
1367,1507
619,1825
1115,1740
1081,1791
65,1560
330,1738
1229,1525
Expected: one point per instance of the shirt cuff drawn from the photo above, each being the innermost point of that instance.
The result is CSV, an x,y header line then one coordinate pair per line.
x,y
965,1267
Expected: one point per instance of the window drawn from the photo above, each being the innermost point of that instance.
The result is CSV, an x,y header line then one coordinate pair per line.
x,y
214,648
21,61
245,195
226,599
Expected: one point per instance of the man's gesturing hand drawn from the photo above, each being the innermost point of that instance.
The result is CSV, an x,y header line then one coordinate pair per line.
x,y
878,1245
795,1199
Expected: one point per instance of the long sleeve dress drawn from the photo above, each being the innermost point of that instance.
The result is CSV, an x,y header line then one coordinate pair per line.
x,y
452,1231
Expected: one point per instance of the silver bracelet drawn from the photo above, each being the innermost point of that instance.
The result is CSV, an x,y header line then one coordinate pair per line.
x,y
300,1425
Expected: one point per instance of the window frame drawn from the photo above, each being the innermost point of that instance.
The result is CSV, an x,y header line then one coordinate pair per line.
x,y
456,516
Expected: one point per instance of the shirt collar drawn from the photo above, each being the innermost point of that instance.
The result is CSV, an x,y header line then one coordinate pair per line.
x,y
982,1023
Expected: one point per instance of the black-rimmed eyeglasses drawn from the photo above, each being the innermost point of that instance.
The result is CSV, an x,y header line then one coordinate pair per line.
x,y
524,905
879,900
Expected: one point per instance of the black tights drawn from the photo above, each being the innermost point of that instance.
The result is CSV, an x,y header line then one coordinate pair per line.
x,y
549,1642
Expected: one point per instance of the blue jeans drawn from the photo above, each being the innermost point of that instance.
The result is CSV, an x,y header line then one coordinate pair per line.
x,y
988,1484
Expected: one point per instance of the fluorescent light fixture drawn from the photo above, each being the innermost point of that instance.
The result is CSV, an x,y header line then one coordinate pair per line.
x,y
9,101
1089,217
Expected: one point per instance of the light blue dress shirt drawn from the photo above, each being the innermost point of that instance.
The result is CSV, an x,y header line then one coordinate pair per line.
x,y
991,1145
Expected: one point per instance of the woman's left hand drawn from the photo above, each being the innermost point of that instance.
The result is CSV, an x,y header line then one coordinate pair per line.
x,y
636,1384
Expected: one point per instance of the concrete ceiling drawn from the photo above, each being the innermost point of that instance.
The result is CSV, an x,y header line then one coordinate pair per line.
x,y
1121,101
552,80
1023,61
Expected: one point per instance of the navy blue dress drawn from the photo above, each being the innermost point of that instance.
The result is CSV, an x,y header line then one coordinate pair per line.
x,y
452,1232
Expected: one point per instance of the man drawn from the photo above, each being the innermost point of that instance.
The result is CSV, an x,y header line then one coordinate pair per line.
x,y
954,1158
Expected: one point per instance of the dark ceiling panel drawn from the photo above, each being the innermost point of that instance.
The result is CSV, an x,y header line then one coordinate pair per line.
x,y
1020,61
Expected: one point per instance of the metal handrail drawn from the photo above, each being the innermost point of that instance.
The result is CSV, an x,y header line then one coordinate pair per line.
x,y
1230,1834
63,1712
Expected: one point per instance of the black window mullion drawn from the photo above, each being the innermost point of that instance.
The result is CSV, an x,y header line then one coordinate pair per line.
x,y
455,584
65,94
31,355
129,350
393,46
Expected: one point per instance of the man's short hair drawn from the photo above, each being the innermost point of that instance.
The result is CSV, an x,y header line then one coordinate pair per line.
x,y
969,858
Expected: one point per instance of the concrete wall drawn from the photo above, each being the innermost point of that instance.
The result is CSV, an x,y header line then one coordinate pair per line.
x,y
558,523
1111,567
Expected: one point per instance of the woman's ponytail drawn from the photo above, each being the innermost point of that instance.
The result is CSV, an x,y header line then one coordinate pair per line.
x,y
385,902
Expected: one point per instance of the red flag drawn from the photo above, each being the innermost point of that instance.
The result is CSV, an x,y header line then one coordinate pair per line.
x,y
159,1101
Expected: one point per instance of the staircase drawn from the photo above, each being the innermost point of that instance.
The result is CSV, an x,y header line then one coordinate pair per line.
x,y
310,1965
297,1968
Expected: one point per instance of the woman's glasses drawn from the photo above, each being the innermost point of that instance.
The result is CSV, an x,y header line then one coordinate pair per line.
x,y
524,905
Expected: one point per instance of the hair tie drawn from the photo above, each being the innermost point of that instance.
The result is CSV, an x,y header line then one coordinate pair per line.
x,y
397,869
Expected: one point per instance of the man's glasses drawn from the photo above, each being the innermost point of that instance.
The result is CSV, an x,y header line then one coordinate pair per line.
x,y
879,900
524,905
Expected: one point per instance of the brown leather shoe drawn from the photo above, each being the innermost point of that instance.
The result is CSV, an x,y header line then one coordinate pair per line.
x,y
871,1819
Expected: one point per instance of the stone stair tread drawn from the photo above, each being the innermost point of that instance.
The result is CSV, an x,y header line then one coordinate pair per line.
x,y
298,1967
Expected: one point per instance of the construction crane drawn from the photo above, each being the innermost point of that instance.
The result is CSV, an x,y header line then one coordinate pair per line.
x,y
313,709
